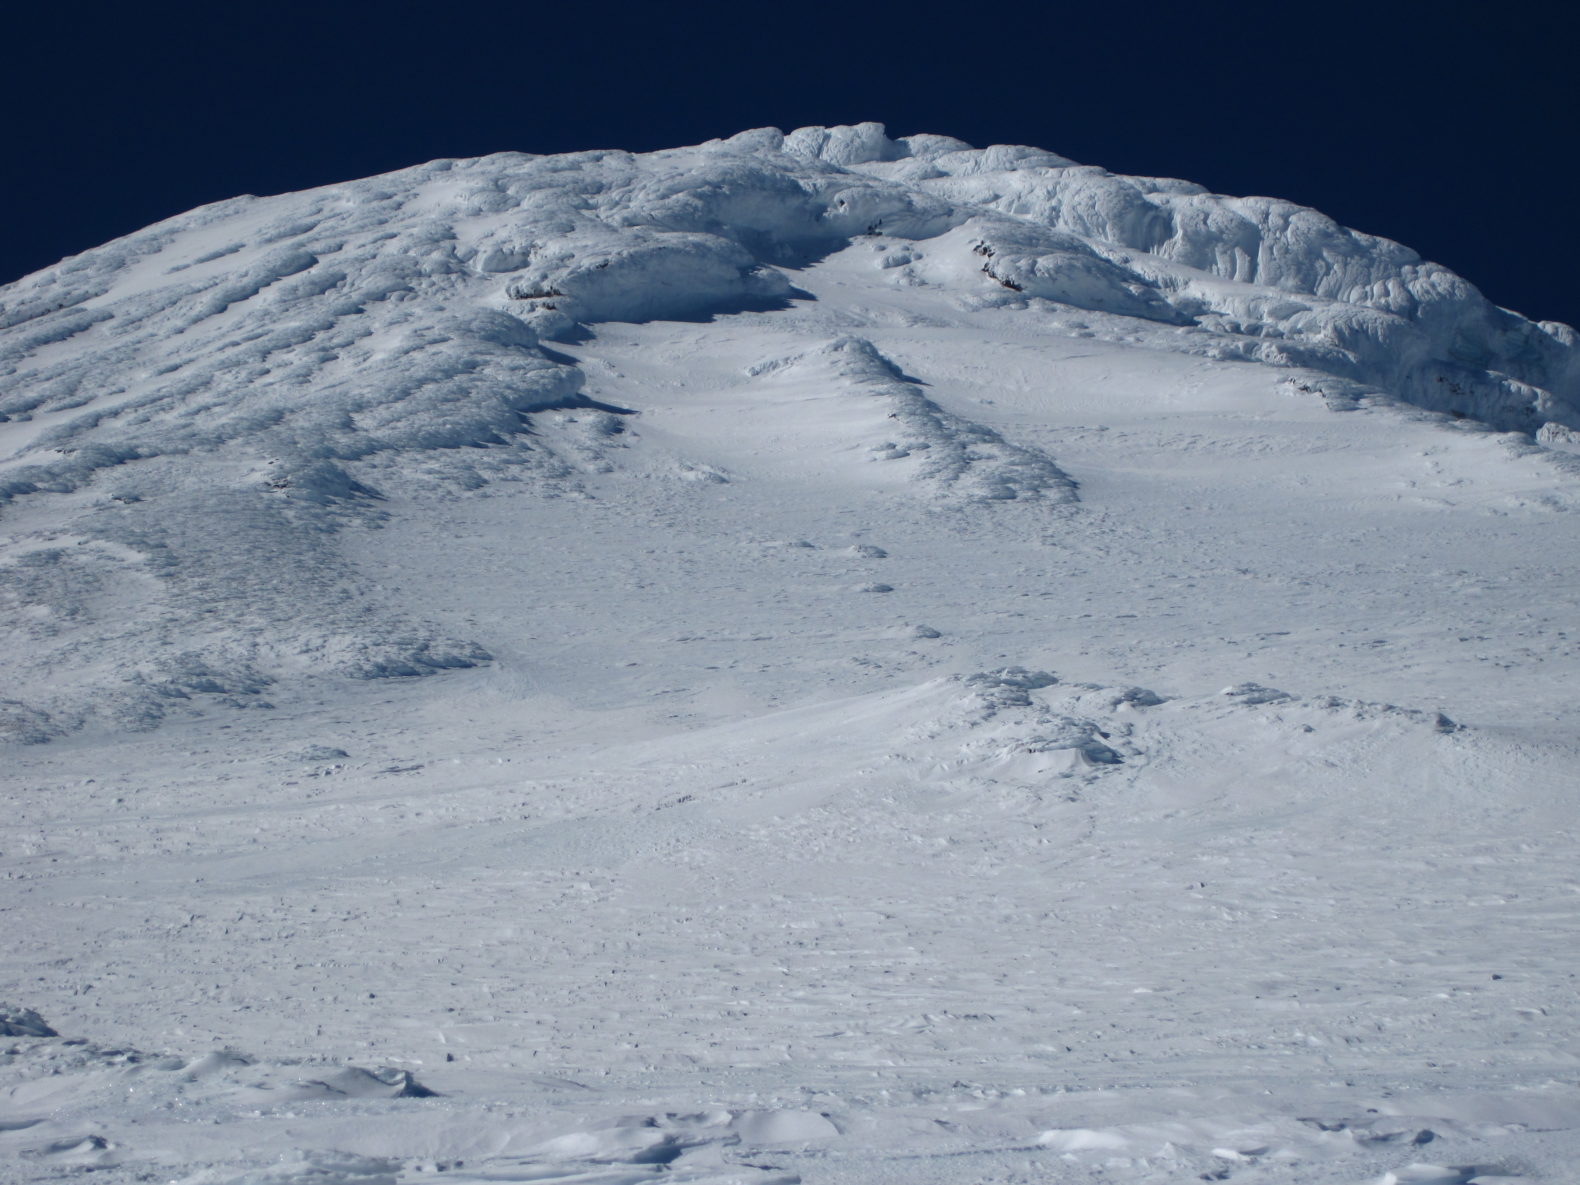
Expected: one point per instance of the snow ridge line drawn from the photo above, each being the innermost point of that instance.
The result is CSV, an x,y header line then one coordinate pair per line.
x,y
563,242
966,461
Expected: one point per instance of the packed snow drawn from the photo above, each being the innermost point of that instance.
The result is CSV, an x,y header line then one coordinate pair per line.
x,y
943,665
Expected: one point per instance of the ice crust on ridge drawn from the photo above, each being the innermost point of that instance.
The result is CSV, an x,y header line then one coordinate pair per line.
x,y
966,461
193,411
411,304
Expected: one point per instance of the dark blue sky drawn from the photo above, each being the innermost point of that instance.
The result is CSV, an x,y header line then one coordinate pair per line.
x,y
1449,127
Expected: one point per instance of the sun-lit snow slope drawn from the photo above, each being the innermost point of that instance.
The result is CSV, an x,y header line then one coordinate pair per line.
x,y
1002,927
191,413
915,701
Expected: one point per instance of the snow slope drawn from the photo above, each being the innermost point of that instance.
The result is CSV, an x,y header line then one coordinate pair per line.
x,y
948,665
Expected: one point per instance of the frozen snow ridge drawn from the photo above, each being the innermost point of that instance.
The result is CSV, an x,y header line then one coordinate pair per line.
x,y
966,461
410,305
190,414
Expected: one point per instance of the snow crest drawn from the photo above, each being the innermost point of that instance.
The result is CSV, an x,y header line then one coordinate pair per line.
x,y
966,461
191,414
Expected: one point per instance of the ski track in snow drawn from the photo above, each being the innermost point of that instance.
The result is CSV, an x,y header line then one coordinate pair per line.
x,y
948,665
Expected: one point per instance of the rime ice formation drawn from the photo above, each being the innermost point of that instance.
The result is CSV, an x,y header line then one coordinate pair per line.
x,y
946,664
237,380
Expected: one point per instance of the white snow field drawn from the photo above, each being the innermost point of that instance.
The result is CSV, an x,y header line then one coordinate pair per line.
x,y
946,665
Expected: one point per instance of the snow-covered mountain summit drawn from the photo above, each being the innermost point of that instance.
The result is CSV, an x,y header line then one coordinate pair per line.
x,y
948,665
214,395
608,236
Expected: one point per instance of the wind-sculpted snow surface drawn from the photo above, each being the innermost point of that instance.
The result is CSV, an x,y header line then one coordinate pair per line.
x,y
388,314
965,461
1317,294
1039,927
928,686
242,381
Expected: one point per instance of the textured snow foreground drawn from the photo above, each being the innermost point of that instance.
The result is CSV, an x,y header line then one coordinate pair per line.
x,y
949,666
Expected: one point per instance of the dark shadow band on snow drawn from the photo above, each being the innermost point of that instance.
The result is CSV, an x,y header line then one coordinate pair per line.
x,y
580,403
710,314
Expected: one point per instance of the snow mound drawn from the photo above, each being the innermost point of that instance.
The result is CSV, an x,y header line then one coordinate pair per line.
x,y
1310,292
964,461
63,1071
1008,688
55,1093
23,1022
1253,694
55,1096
